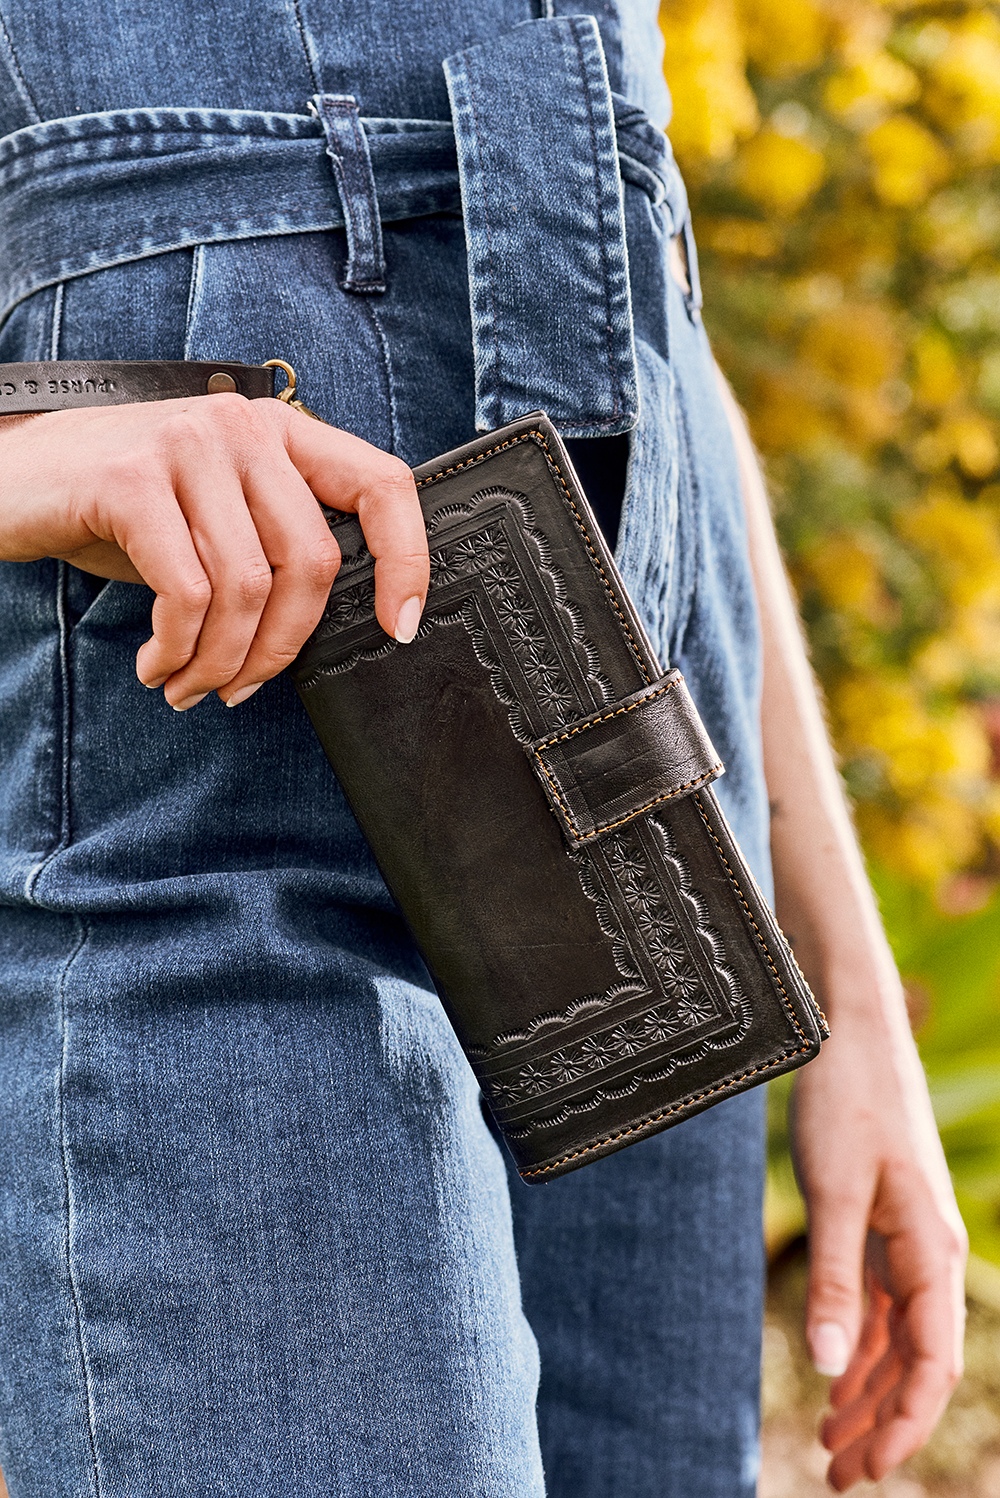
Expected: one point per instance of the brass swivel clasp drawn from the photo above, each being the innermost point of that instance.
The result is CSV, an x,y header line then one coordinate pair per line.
x,y
288,394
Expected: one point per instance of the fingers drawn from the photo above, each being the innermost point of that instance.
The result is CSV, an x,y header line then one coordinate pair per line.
x,y
304,560
380,490
271,560
873,1343
205,616
212,502
908,1352
900,1408
838,1228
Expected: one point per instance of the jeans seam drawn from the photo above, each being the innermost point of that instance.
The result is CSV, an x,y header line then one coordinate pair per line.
x,y
686,468
17,73
30,884
307,47
74,1294
194,293
57,312
387,365
489,237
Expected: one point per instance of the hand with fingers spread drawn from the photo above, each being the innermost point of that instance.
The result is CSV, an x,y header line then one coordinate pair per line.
x,y
211,501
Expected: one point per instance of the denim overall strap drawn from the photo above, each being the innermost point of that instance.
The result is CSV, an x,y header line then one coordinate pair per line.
x,y
347,148
542,199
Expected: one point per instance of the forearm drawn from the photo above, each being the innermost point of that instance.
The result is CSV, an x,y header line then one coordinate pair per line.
x,y
823,898
822,895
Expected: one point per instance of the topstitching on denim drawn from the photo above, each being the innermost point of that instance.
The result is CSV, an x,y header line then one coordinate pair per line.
x,y
194,296
601,227
16,71
390,393
71,1280
308,46
347,148
544,228
62,734
57,307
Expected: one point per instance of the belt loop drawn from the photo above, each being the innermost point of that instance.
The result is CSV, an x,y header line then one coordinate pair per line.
x,y
347,148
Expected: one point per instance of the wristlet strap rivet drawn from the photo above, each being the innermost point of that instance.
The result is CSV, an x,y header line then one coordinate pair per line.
x,y
220,383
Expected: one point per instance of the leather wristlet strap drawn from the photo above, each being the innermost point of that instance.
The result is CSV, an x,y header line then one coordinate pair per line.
x,y
66,384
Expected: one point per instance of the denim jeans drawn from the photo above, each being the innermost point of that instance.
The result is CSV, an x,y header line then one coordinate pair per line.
x,y
254,1227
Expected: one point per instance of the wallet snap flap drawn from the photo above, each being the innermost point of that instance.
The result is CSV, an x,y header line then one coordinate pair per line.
x,y
630,756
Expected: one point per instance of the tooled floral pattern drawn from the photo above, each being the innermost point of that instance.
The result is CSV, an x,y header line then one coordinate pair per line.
x,y
688,1005
355,605
486,554
663,937
593,1054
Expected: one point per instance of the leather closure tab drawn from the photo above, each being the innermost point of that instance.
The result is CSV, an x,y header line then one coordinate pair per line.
x,y
625,759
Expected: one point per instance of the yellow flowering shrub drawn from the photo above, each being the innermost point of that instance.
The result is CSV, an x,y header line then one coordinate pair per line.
x,y
713,102
843,163
783,37
779,172
907,160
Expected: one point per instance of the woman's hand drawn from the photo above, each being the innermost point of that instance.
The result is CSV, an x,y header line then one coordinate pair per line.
x,y
211,501
882,1215
882,1220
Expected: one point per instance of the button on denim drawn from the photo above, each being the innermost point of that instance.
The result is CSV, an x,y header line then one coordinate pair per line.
x,y
254,1227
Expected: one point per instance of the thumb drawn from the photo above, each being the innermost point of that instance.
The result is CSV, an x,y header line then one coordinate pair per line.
x,y
838,1229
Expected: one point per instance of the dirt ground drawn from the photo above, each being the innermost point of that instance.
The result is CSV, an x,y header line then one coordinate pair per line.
x,y
962,1459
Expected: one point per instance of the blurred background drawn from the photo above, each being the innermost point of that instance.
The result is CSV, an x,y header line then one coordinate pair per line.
x,y
843,163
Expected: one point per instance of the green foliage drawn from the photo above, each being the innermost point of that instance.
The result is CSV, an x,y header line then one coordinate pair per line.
x,y
952,964
843,165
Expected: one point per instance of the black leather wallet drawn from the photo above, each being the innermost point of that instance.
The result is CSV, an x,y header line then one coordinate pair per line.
x,y
537,794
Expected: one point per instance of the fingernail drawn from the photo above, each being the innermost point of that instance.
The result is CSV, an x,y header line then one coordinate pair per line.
x,y
186,702
408,620
150,684
830,1349
243,694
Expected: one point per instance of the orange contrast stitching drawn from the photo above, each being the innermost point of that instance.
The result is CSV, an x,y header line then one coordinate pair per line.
x,y
540,437
728,1081
760,935
644,1122
557,738
582,837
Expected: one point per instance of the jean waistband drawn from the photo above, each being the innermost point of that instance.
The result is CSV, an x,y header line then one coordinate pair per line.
x,y
88,192
174,178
